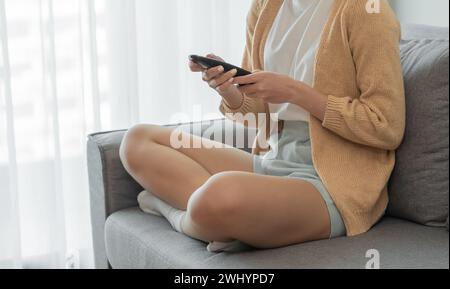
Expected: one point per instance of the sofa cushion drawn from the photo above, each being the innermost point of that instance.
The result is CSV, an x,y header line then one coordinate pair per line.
x,y
136,240
419,31
419,187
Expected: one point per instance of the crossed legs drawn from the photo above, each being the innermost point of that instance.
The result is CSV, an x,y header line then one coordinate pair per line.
x,y
223,199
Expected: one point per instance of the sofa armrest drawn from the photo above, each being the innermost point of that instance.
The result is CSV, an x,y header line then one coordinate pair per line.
x,y
113,189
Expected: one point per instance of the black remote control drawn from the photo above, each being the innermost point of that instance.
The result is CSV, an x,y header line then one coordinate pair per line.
x,y
208,63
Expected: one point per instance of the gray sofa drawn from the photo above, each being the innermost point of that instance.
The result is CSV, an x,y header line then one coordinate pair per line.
x,y
412,235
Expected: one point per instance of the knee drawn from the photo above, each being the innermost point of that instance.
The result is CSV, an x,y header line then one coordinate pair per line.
x,y
216,203
134,144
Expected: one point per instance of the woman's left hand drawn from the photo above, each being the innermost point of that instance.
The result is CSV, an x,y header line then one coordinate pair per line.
x,y
270,87
277,88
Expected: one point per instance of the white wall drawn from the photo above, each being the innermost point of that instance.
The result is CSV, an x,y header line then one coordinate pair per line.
x,y
430,12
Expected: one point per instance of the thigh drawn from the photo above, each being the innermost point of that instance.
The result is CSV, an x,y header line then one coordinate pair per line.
x,y
269,212
214,160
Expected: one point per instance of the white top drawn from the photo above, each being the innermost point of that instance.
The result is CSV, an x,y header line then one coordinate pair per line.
x,y
292,45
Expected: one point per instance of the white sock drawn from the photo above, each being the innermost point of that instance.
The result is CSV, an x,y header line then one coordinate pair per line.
x,y
151,204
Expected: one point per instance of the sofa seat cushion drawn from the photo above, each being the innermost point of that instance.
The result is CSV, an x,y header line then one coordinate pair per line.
x,y
137,240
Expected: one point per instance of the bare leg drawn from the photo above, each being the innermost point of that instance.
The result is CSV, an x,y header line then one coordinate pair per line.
x,y
262,211
173,175
228,201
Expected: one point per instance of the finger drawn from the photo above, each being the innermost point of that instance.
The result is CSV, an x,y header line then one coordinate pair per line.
x,y
223,78
223,87
195,67
213,56
248,89
248,79
212,73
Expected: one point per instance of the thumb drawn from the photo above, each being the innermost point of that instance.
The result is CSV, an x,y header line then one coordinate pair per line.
x,y
213,56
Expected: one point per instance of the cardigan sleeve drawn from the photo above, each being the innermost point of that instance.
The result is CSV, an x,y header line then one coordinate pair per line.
x,y
248,105
377,117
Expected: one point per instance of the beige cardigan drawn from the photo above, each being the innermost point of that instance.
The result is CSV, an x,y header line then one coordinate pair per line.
x,y
358,67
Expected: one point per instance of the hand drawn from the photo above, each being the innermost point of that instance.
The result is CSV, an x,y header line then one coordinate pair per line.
x,y
270,87
277,88
220,81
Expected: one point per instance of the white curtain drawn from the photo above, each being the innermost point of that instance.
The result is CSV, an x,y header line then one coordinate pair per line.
x,y
72,67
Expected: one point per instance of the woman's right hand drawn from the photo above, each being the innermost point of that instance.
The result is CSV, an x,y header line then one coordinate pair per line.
x,y
220,81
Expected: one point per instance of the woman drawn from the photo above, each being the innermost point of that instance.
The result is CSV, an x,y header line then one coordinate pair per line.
x,y
331,71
